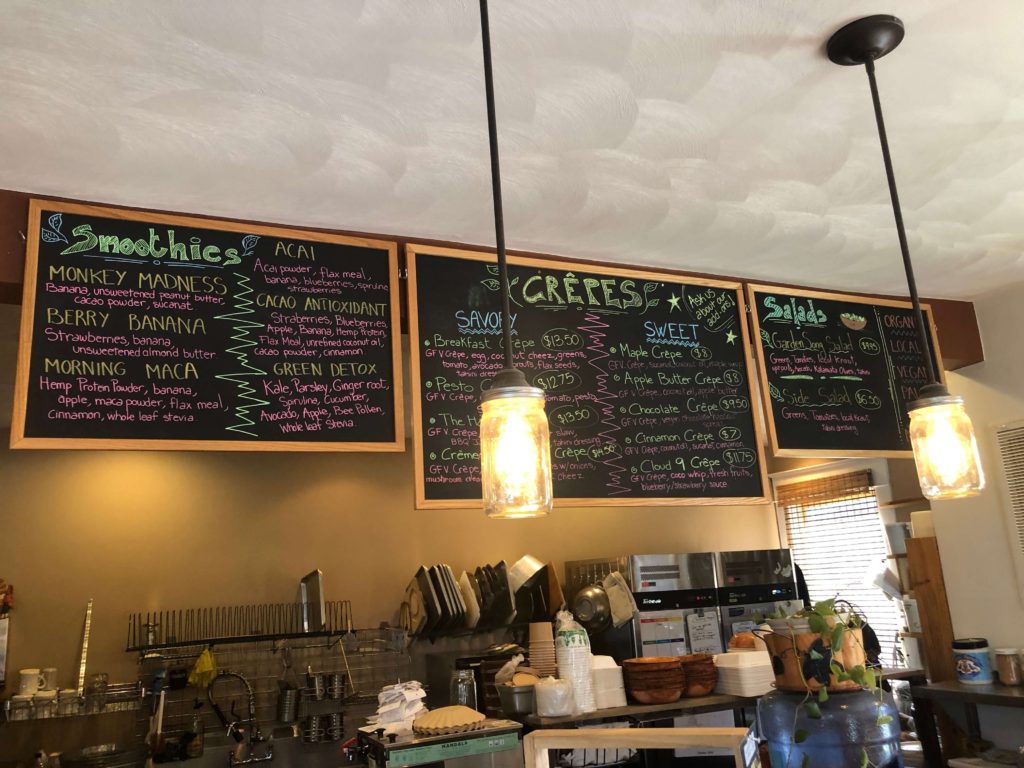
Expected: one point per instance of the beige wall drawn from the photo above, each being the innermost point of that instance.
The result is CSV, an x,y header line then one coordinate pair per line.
x,y
973,536
140,531
972,533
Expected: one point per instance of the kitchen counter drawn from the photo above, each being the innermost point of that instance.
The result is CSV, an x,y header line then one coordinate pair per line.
x,y
647,712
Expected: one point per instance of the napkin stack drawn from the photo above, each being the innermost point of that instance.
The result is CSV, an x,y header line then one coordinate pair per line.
x,y
397,706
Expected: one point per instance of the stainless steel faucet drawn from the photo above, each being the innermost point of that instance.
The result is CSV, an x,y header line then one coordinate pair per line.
x,y
246,733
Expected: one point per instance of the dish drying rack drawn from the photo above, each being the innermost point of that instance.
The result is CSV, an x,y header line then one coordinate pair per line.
x,y
223,625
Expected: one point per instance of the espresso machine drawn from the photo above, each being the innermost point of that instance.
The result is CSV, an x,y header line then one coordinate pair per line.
x,y
753,584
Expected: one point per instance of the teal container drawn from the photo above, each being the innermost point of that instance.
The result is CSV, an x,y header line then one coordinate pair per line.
x,y
848,725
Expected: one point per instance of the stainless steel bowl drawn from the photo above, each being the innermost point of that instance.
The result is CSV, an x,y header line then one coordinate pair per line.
x,y
592,609
516,699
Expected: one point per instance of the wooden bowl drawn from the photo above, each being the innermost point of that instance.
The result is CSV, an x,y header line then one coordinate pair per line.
x,y
651,664
658,695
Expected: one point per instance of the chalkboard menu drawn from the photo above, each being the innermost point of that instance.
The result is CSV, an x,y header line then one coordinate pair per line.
x,y
164,332
646,375
837,371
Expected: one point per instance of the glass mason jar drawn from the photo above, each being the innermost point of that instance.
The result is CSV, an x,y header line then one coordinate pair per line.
x,y
945,451
463,688
515,453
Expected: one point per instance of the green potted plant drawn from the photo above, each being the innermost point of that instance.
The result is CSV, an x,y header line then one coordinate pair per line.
x,y
817,652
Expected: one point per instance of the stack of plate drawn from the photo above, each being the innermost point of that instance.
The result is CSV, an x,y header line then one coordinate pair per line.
x,y
542,649
744,674
609,689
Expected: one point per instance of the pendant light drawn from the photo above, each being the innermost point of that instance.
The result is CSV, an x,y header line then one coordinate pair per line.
x,y
941,434
515,449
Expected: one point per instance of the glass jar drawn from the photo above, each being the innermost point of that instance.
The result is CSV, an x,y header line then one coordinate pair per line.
x,y
463,688
515,453
1008,666
945,451
848,728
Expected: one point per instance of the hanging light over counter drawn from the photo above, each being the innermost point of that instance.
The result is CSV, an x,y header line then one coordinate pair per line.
x,y
941,434
515,446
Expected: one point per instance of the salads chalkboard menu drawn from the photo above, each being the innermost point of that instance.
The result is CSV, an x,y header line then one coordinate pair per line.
x,y
647,381
837,371
164,332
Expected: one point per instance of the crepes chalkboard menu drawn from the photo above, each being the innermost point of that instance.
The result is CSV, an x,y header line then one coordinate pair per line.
x,y
837,371
164,332
646,376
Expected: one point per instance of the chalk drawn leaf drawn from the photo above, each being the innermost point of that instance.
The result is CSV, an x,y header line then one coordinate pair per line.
x,y
513,281
56,221
491,285
51,237
249,241
492,268
653,303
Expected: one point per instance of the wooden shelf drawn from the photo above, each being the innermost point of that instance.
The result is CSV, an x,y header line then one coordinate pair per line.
x,y
896,556
915,635
905,503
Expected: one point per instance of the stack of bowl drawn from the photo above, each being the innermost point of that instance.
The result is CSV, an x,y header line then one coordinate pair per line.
x,y
654,679
700,673
542,649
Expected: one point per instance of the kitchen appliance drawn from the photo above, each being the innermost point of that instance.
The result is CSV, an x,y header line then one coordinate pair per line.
x,y
496,745
753,584
678,601
675,594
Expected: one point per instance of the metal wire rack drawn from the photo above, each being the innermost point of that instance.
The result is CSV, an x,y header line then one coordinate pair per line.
x,y
223,625
365,660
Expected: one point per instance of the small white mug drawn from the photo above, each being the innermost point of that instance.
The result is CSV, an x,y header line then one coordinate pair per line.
x,y
31,681
49,679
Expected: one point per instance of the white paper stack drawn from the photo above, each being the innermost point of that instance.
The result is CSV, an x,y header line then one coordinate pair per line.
x,y
609,690
744,674
397,706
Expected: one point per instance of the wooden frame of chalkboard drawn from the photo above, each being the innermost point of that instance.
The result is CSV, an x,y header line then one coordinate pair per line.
x,y
759,474
294,240
793,450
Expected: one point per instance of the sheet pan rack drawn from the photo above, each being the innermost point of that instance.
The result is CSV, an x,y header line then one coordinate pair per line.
x,y
156,630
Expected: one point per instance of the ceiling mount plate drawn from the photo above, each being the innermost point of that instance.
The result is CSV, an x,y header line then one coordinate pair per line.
x,y
869,38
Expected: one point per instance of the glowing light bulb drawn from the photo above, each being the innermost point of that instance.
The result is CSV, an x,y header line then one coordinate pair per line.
x,y
945,451
515,453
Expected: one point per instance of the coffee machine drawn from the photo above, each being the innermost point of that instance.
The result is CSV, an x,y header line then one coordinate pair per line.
x,y
753,584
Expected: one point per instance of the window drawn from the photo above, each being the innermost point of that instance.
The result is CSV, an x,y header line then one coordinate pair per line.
x,y
835,535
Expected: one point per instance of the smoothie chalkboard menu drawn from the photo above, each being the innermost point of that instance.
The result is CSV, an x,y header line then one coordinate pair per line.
x,y
164,332
837,371
646,375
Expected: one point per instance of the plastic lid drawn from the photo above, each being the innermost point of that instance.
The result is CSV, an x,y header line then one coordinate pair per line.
x,y
1007,651
969,643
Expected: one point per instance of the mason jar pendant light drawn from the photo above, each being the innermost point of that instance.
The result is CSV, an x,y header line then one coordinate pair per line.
x,y
941,434
515,447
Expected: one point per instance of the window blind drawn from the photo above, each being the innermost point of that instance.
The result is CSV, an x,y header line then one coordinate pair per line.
x,y
836,537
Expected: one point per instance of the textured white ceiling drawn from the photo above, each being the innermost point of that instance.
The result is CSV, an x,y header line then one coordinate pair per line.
x,y
709,135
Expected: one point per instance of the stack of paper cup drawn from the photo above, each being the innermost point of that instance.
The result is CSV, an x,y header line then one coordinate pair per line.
x,y
609,690
542,649
575,664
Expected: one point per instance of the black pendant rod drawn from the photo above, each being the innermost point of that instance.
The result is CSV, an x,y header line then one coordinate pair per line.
x,y
499,219
922,331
